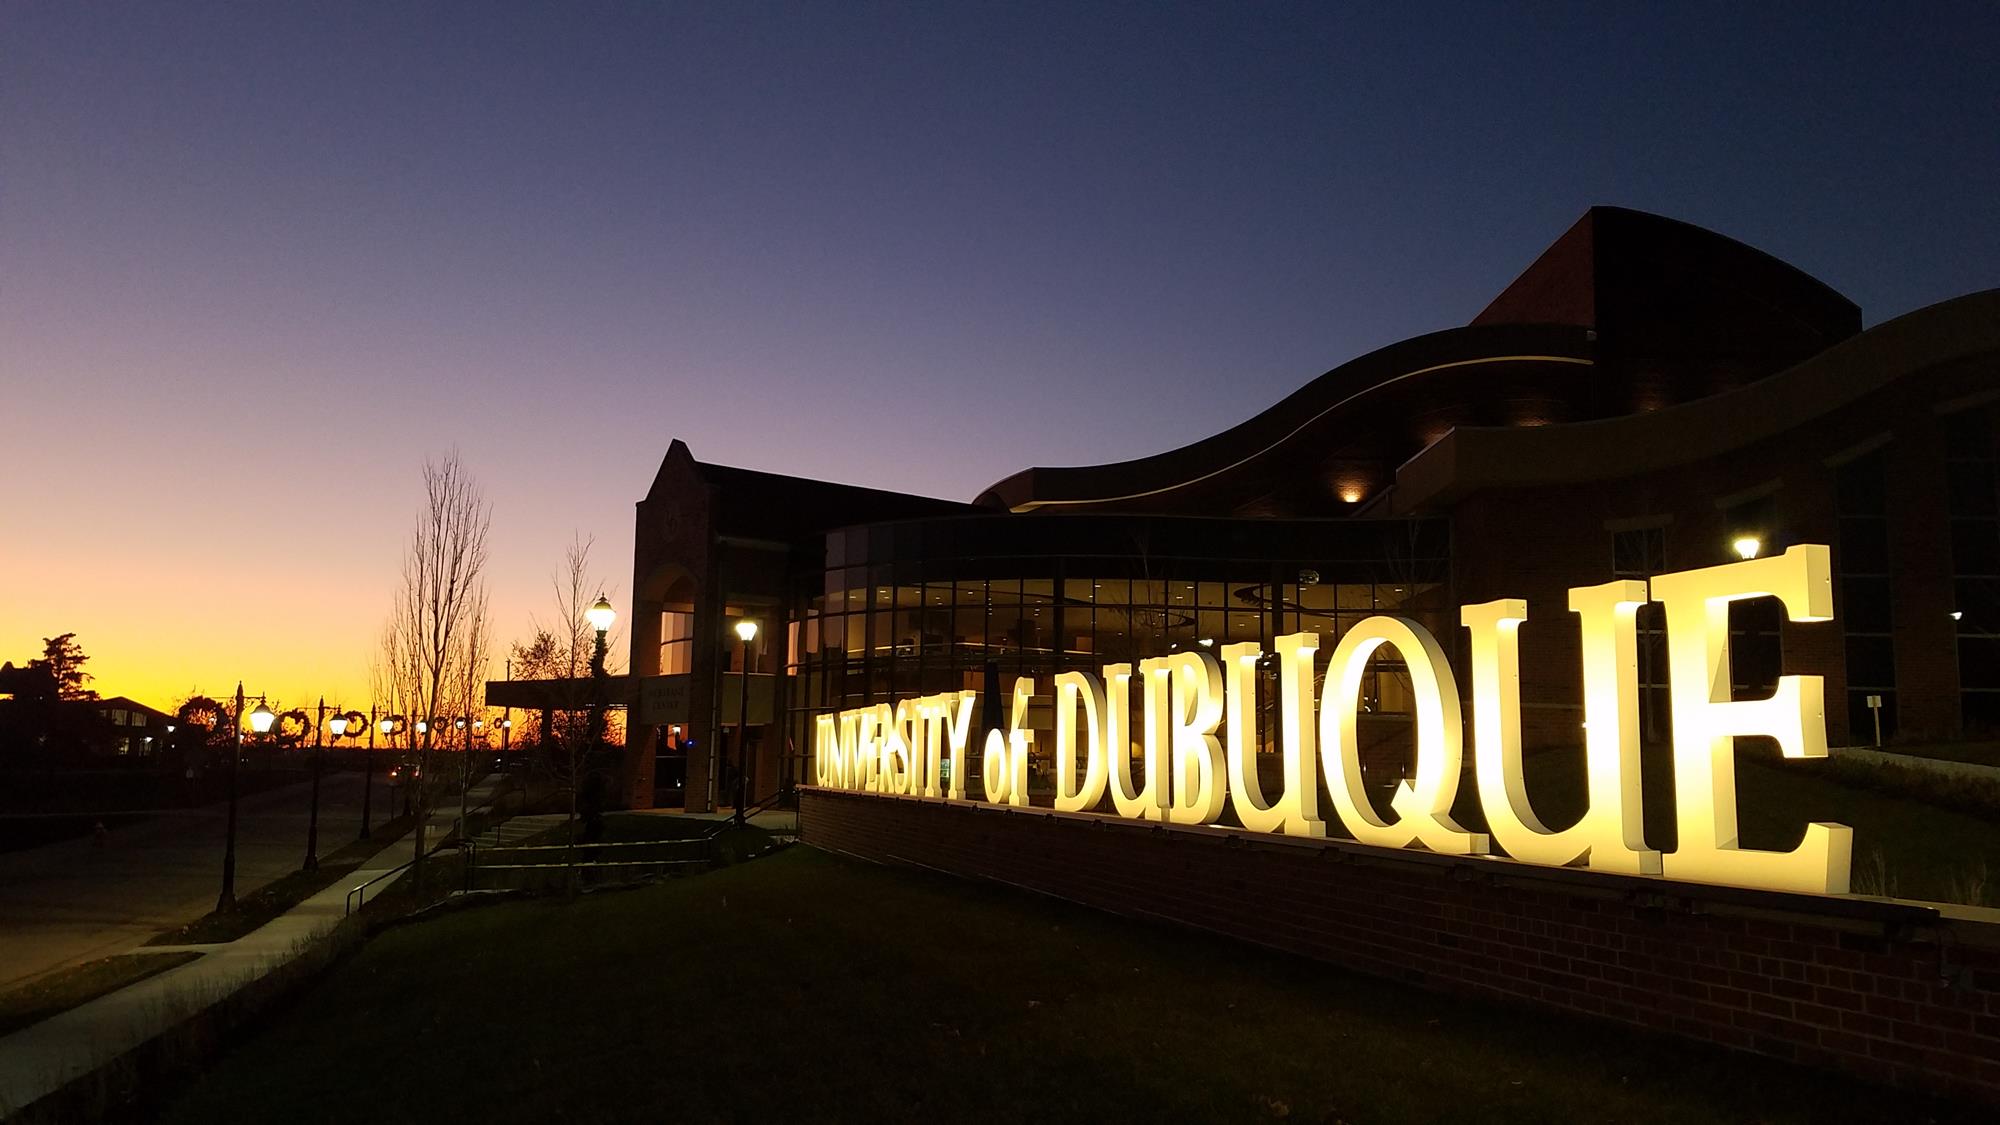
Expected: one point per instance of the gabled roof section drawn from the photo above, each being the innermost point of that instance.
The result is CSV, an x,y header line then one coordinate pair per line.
x,y
127,703
754,504
1654,284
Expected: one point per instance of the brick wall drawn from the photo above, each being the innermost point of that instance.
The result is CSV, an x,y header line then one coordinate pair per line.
x,y
1893,991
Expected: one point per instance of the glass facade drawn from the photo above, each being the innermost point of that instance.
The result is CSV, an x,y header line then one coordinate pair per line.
x,y
939,605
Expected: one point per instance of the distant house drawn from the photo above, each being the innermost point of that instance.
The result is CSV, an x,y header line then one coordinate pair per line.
x,y
135,730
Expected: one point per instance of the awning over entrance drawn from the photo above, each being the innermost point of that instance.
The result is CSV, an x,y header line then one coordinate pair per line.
x,y
651,699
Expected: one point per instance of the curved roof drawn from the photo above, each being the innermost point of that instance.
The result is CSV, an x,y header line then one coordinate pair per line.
x,y
1625,312
1304,418
1473,458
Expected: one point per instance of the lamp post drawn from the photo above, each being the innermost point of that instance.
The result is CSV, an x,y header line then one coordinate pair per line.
x,y
506,724
600,616
338,724
423,811
368,769
464,774
746,631
260,722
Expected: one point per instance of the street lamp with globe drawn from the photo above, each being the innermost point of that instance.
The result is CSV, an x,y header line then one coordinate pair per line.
x,y
260,723
746,631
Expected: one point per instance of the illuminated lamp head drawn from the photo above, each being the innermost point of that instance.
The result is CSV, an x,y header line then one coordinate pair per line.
x,y
600,614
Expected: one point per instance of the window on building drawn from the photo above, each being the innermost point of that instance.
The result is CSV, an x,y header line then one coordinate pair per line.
x,y
1756,651
1972,471
676,642
1864,603
1639,554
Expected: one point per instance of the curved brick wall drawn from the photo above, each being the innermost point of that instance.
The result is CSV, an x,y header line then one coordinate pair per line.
x,y
1895,991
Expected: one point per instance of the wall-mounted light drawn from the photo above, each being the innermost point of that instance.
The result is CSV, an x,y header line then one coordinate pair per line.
x,y
1746,546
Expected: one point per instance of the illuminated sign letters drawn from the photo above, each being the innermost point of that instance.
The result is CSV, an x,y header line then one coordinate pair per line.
x,y
1195,755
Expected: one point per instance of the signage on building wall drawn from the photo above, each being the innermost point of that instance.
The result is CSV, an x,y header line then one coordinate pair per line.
x,y
1198,735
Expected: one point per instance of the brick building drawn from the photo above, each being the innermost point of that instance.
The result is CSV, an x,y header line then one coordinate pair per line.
x,y
1647,396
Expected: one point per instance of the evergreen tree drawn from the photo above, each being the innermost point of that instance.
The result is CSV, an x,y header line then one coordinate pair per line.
x,y
64,659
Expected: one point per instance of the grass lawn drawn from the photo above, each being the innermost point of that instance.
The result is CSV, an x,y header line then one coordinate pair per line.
x,y
57,992
272,899
807,987
1985,753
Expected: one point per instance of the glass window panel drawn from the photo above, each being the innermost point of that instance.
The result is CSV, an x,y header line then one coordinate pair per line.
x,y
1079,591
1865,605
1968,435
1391,596
1970,488
1979,662
1859,489
1212,624
1864,545
1977,601
968,627
1980,712
1871,662
1640,552
1317,608
1975,546
1245,626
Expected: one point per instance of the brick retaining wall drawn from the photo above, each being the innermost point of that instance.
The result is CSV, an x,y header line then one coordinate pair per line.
x,y
1904,993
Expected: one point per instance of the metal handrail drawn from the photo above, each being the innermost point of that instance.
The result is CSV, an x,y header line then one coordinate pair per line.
x,y
362,888
463,842
754,808
607,844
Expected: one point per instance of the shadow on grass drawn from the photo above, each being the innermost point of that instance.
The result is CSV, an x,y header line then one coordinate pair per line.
x,y
807,987
53,993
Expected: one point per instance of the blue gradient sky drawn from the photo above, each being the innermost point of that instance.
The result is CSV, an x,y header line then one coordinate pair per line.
x,y
256,261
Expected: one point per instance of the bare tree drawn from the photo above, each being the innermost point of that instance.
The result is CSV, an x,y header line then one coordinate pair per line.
x,y
434,642
561,654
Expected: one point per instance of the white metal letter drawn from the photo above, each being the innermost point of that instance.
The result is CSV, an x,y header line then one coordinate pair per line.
x,y
1707,722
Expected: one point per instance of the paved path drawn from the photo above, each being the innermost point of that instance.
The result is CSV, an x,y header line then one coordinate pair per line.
x,y
770,820
40,1059
74,901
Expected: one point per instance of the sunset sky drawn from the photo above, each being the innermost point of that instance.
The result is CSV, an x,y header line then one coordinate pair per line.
x,y
258,261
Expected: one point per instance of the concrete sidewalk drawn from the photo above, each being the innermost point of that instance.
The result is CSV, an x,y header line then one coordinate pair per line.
x,y
40,1059
770,820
